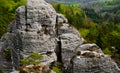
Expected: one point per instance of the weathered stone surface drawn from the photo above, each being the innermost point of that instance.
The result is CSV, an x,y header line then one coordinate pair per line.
x,y
89,47
5,66
61,19
42,12
94,65
91,60
7,41
70,40
34,31
20,20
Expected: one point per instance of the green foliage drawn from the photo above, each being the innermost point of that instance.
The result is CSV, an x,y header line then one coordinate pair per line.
x,y
8,54
57,67
93,15
1,71
93,34
110,11
7,12
84,32
74,14
117,55
107,51
33,58
57,70
102,28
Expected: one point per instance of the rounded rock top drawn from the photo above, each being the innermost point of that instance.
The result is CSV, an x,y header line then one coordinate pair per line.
x,y
41,12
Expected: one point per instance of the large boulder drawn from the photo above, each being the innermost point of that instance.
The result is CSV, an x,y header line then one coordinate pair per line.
x,y
94,65
33,30
88,58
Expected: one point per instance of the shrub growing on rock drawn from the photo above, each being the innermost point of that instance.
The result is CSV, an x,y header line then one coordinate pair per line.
x,y
33,58
1,71
8,54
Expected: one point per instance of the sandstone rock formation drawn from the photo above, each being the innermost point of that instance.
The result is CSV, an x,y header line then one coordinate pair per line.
x,y
34,69
91,60
38,28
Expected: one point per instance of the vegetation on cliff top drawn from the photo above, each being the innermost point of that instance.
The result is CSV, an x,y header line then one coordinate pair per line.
x,y
33,58
7,12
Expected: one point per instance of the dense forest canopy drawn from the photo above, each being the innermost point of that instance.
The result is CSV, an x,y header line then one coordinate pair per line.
x,y
101,27
97,25
7,12
76,1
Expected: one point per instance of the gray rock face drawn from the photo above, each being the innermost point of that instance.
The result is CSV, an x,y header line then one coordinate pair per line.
x,y
5,66
38,28
94,65
69,42
92,60
61,19
41,12
7,41
89,47
33,30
